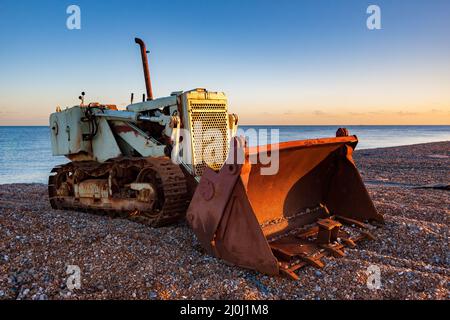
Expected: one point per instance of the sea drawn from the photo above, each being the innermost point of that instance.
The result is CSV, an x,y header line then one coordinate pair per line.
x,y
26,156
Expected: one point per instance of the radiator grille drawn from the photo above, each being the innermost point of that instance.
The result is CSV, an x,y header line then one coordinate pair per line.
x,y
209,123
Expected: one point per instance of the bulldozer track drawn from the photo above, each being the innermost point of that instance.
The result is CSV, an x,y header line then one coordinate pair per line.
x,y
168,179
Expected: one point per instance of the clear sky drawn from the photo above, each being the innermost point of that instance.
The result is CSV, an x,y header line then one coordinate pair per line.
x,y
280,62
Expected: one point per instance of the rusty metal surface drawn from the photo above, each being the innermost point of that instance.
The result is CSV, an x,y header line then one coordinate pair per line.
x,y
91,188
132,183
148,83
137,139
279,223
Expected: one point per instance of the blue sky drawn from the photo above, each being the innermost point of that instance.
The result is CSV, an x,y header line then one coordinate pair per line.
x,y
280,62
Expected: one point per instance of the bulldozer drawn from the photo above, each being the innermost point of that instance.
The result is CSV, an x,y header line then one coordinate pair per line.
x,y
148,163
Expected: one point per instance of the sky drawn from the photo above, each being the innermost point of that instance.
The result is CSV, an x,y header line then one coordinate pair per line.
x,y
279,62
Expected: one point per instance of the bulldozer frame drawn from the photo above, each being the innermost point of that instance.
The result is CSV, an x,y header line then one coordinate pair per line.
x,y
148,163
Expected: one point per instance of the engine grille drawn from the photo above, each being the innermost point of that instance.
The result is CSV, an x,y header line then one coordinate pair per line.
x,y
209,125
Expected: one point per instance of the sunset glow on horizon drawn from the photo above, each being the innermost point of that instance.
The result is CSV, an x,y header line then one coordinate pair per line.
x,y
279,62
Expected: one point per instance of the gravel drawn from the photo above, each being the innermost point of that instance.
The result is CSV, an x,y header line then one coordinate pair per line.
x,y
120,259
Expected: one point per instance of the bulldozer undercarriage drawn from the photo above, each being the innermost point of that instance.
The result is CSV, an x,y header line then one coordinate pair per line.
x,y
151,191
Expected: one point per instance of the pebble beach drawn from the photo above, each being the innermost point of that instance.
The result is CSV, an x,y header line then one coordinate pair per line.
x,y
120,259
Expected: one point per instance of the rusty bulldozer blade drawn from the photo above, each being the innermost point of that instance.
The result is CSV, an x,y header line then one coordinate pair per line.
x,y
279,223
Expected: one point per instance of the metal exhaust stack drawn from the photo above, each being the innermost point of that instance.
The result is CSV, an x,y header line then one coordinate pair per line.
x,y
148,83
